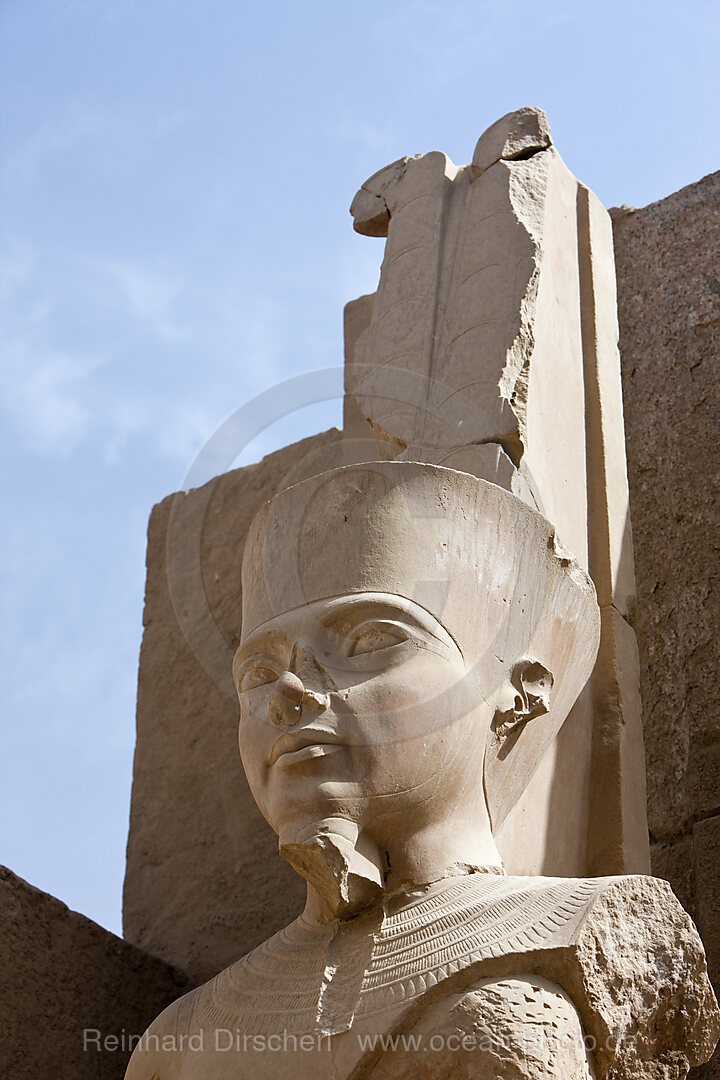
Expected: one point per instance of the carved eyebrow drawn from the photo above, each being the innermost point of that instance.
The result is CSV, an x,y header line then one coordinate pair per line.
x,y
267,643
362,607
365,608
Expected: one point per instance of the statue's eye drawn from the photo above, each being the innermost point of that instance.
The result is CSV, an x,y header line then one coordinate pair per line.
x,y
256,675
372,637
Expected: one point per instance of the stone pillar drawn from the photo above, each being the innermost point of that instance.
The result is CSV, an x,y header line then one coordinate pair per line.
x,y
491,347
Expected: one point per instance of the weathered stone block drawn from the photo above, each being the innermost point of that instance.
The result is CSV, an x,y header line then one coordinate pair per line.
x,y
666,257
706,844
676,864
706,841
67,986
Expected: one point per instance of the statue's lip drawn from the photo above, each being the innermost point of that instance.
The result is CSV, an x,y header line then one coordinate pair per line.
x,y
292,742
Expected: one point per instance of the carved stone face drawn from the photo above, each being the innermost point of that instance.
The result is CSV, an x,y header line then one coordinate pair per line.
x,y
359,706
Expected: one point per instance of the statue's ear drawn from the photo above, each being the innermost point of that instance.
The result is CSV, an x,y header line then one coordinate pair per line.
x,y
525,696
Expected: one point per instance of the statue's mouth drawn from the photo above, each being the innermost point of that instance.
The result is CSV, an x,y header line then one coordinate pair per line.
x,y
294,747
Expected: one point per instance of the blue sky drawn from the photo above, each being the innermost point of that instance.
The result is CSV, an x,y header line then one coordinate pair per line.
x,y
174,185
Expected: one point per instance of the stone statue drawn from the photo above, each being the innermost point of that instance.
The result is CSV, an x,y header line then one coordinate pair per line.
x,y
405,628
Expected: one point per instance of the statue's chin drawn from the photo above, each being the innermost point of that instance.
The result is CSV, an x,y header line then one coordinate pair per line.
x,y
342,864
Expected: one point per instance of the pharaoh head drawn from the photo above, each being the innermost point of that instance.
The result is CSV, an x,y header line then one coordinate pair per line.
x,y
413,638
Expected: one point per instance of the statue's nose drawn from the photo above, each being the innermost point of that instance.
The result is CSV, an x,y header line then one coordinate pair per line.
x,y
290,696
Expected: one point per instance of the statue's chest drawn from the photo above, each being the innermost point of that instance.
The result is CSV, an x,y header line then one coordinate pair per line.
x,y
316,982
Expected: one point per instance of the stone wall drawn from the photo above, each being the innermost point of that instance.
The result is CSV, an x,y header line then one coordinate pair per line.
x,y
69,988
668,299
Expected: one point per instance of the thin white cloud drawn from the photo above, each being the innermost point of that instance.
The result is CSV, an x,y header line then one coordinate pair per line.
x,y
23,164
177,429
39,389
152,296
153,364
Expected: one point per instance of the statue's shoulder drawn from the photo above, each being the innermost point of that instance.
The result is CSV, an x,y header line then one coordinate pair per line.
x,y
162,1048
634,965
183,1038
604,973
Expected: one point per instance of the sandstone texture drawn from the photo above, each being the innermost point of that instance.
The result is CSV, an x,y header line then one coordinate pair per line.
x,y
517,135
668,299
653,1011
524,1028
669,309
203,880
63,974
706,845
